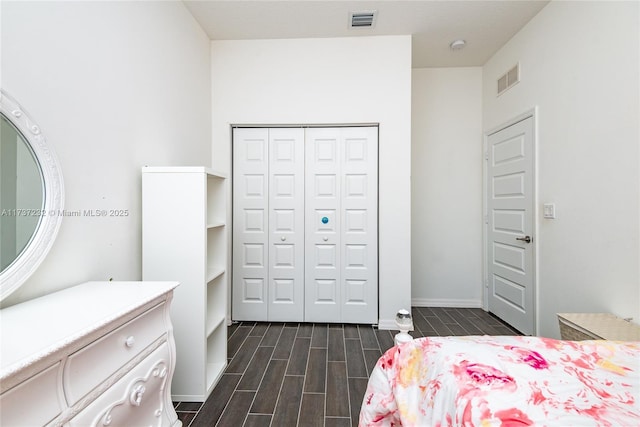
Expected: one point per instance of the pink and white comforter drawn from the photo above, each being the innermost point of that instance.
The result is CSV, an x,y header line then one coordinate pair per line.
x,y
505,381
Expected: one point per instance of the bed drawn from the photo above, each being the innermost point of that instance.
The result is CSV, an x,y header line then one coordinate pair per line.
x,y
505,381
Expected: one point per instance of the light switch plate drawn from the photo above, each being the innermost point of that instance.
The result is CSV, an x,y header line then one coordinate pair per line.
x,y
549,210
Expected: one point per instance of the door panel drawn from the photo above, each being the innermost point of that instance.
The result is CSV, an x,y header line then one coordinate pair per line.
x,y
509,220
285,220
253,255
254,220
250,234
355,292
253,291
286,224
509,257
341,239
510,203
283,291
326,292
359,249
268,172
509,186
322,239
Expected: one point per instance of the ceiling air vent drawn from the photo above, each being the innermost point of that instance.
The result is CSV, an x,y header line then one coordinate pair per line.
x,y
362,19
508,79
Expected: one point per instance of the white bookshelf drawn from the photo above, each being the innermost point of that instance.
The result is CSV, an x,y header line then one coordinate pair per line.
x,y
184,238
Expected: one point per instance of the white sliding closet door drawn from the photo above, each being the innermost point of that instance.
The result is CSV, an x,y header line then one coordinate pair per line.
x,y
341,248
268,230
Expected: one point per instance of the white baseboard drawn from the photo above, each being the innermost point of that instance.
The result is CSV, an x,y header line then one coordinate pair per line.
x,y
387,324
186,398
453,303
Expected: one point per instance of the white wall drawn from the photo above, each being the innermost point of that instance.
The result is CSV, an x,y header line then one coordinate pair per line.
x,y
343,80
446,187
580,66
114,86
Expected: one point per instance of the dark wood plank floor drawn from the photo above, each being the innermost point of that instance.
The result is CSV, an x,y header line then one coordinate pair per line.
x,y
303,374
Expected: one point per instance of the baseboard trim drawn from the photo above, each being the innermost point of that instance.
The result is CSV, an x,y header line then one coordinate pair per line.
x,y
387,324
187,398
453,303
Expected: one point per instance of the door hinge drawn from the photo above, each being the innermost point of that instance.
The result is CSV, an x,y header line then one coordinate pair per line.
x,y
486,155
486,219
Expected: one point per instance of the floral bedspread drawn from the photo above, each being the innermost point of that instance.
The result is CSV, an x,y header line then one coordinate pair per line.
x,y
505,381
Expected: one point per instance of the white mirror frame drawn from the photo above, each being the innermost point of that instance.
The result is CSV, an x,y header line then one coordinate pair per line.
x,y
52,207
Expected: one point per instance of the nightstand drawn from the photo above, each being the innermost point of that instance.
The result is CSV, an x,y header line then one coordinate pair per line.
x,y
596,326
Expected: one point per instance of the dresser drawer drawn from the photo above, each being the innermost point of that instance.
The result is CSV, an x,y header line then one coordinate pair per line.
x,y
137,399
90,366
34,402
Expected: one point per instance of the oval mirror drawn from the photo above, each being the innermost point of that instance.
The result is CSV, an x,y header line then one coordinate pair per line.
x,y
31,195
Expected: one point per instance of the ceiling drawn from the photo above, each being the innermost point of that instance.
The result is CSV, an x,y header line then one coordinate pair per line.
x,y
484,25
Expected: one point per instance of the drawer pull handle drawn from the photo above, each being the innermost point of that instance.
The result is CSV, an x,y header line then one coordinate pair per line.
x,y
130,341
136,395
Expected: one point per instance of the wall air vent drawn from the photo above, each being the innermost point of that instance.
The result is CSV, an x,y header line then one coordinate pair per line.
x,y
508,79
362,19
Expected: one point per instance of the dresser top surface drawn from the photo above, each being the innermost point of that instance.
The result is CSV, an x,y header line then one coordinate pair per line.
x,y
35,329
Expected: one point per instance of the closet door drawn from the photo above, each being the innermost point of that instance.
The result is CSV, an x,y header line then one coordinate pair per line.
x,y
341,195
250,224
359,238
268,229
322,218
286,225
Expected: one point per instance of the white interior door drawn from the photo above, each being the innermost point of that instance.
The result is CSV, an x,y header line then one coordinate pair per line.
x,y
341,225
510,207
250,224
286,225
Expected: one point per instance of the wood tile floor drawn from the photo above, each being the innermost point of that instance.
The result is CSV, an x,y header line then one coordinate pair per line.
x,y
290,374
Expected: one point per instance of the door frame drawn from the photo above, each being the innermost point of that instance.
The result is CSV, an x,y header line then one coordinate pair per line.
x,y
531,113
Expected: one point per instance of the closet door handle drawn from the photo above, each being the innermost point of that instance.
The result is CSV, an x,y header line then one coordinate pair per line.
x,y
283,238
325,238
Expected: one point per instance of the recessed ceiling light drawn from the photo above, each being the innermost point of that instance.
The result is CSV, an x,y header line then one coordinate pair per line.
x,y
457,44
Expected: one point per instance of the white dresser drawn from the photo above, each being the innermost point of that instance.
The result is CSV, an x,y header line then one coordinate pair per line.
x,y
96,354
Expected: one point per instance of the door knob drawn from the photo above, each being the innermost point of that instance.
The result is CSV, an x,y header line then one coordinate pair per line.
x,y
325,238
526,239
283,238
